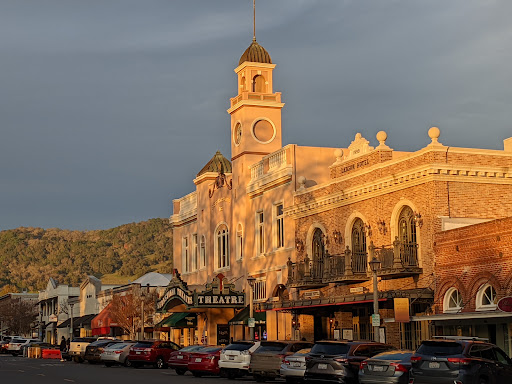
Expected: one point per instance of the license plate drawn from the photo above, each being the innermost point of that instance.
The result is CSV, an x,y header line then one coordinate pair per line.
x,y
378,368
231,357
434,365
296,364
198,359
137,353
322,366
179,357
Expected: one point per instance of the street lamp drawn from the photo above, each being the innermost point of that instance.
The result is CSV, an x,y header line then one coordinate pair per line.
x,y
250,281
375,266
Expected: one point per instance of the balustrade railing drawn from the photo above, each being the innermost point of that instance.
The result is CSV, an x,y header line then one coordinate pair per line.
x,y
277,159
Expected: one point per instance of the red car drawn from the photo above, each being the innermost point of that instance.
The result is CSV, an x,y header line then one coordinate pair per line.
x,y
205,361
178,360
155,353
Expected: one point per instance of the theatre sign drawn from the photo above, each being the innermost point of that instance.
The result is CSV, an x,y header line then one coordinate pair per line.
x,y
217,294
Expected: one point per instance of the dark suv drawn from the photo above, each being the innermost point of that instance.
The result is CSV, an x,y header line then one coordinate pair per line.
x,y
155,353
460,361
338,361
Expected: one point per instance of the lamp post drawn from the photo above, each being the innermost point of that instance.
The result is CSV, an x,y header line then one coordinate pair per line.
x,y
375,266
250,281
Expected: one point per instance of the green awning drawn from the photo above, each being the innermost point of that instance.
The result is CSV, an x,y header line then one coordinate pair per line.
x,y
179,320
241,317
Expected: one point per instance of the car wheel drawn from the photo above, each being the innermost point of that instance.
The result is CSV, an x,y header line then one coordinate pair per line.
x,y
160,363
259,378
291,380
197,374
231,375
482,380
127,362
109,364
180,371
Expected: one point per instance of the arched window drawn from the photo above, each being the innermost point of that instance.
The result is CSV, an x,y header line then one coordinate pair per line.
x,y
258,84
318,249
486,298
222,249
359,254
407,236
452,301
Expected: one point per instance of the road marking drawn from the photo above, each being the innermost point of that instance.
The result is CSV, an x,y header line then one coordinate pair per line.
x,y
71,381
21,370
41,374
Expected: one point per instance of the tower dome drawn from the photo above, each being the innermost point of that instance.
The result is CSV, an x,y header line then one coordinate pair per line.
x,y
217,164
256,54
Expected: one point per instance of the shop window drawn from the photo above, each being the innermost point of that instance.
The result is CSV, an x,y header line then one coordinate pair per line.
x,y
407,236
486,298
359,254
452,301
222,249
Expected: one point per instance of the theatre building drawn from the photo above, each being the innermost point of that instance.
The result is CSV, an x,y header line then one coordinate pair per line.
x,y
302,223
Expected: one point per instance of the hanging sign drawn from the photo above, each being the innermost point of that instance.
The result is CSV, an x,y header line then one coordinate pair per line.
x,y
505,304
401,310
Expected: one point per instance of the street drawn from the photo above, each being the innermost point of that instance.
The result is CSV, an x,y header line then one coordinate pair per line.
x,y
21,370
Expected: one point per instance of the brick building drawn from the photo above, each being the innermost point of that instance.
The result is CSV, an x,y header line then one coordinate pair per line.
x,y
473,272
388,204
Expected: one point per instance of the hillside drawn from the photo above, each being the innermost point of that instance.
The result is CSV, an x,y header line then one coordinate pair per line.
x,y
30,256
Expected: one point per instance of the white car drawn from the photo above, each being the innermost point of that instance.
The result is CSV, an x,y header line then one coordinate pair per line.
x,y
117,354
15,345
236,357
294,366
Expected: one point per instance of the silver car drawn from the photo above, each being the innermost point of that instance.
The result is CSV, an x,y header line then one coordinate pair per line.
x,y
116,354
294,366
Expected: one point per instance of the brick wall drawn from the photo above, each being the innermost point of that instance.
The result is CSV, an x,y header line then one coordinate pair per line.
x,y
468,257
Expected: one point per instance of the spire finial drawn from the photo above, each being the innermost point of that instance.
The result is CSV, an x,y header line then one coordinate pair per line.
x,y
254,20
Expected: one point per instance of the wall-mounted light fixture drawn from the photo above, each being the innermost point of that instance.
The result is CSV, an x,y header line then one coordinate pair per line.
x,y
381,226
337,237
299,245
418,220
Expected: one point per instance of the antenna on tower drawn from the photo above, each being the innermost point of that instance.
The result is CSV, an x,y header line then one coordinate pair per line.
x,y
254,20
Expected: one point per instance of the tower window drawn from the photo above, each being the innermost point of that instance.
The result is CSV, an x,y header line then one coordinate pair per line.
x,y
258,84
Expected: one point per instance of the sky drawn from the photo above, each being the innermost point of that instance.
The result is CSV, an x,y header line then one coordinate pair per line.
x,y
109,108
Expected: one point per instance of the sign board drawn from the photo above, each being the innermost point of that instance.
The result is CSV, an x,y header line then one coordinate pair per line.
x,y
223,336
311,294
375,320
347,334
401,310
382,335
357,290
505,304
251,322
52,317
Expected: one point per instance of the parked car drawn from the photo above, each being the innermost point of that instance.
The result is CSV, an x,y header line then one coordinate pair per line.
x,y
266,360
205,361
178,360
235,358
94,350
339,361
386,367
117,353
4,344
293,367
77,348
153,352
460,360
15,345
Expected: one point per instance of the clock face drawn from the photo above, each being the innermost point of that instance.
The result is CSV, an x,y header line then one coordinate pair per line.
x,y
238,133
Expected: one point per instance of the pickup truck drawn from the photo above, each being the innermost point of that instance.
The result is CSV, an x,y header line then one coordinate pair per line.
x,y
77,348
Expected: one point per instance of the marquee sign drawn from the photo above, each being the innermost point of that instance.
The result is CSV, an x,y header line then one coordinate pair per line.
x,y
505,304
217,294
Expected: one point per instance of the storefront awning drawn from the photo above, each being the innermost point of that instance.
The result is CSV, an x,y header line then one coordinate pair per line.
x,y
460,316
65,324
179,320
241,317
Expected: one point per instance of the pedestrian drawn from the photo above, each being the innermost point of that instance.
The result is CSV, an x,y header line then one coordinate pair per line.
x,y
62,347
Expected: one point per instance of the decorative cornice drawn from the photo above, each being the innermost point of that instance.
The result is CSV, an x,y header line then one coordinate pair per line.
x,y
395,182
255,103
249,153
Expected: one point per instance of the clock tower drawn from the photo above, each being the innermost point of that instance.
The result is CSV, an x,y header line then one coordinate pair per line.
x,y
255,110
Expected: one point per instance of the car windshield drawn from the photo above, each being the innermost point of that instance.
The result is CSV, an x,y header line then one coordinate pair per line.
x,y
440,348
271,347
192,348
143,344
117,346
210,349
331,348
238,346
303,351
394,355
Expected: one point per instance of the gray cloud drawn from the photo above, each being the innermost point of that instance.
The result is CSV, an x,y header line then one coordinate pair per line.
x,y
109,108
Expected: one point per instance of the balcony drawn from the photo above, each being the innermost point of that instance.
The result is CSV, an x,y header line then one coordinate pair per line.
x,y
347,268
397,260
